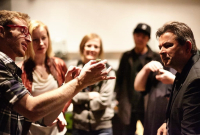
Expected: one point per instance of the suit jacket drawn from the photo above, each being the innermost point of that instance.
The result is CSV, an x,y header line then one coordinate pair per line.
x,y
183,113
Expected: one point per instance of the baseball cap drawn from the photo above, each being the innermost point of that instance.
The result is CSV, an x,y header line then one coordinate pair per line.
x,y
143,27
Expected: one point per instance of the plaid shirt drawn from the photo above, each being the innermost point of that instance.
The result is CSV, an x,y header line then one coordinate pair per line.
x,y
11,90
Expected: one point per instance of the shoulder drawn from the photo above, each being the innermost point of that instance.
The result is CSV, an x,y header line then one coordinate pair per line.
x,y
195,70
194,74
126,55
56,61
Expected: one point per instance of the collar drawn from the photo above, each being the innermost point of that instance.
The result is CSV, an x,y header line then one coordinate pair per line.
x,y
10,64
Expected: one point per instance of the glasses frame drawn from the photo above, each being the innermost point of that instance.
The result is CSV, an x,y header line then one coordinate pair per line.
x,y
25,32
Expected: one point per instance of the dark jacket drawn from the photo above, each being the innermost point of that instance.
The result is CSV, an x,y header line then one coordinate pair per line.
x,y
129,99
183,113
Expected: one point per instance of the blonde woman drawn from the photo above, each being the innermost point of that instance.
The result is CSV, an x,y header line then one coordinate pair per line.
x,y
43,72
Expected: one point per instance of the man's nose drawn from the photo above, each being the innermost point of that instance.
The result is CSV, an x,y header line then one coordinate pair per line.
x,y
28,38
162,51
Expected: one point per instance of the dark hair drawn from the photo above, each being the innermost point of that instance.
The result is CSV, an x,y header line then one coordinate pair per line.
x,y
143,28
141,31
181,30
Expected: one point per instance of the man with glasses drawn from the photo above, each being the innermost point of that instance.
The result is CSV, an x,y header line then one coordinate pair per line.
x,y
17,107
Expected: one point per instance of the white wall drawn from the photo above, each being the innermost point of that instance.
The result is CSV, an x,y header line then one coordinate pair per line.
x,y
113,20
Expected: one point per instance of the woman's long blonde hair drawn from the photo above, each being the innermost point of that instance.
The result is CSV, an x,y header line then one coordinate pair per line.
x,y
34,24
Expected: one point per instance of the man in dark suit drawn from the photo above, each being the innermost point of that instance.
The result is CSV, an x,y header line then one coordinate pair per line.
x,y
178,50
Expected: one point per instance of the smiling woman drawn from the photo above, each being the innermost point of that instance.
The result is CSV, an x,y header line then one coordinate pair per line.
x,y
91,47
92,107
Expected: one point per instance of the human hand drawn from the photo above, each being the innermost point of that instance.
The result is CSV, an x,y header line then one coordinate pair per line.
x,y
165,77
61,122
153,66
72,73
62,119
92,73
162,130
93,95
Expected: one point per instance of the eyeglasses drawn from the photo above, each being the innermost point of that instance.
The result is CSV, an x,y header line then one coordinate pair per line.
x,y
23,30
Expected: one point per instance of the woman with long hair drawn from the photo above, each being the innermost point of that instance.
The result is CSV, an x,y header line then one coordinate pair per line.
x,y
42,72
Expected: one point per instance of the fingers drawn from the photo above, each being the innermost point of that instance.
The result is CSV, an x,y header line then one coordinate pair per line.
x,y
155,66
72,73
103,61
96,64
108,77
165,132
162,71
93,72
105,73
159,77
71,69
78,70
97,61
162,130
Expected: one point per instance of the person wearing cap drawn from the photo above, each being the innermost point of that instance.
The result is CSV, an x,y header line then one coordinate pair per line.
x,y
131,102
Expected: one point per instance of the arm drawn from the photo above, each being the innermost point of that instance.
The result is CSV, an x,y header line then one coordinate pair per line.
x,y
142,76
120,75
35,108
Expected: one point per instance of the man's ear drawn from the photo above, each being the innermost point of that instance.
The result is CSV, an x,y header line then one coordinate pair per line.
x,y
2,31
188,46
